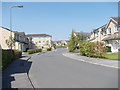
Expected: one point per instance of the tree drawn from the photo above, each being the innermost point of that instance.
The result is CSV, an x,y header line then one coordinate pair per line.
x,y
99,48
10,42
72,42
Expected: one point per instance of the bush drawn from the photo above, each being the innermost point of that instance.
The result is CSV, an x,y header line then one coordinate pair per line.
x,y
92,49
31,51
17,54
49,49
8,56
87,49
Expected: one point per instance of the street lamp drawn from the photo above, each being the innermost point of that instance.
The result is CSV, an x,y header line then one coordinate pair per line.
x,y
19,6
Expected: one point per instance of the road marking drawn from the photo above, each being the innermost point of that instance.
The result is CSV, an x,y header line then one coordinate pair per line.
x,y
91,62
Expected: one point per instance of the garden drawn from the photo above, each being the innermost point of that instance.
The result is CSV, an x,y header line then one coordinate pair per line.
x,y
96,49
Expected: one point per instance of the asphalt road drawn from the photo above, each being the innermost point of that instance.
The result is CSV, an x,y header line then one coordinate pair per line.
x,y
53,70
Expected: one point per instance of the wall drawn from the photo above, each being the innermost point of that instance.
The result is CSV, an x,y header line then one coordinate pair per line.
x,y
42,42
4,35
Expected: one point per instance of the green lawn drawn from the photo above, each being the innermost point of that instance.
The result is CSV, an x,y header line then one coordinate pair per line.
x,y
25,53
112,56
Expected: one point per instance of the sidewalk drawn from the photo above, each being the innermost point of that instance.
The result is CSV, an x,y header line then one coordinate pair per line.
x,y
96,61
15,75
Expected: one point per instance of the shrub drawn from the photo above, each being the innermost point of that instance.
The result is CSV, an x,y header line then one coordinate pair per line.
x,y
87,48
49,49
17,54
92,49
8,56
99,48
31,51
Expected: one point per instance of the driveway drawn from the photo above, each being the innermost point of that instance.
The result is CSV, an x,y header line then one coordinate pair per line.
x,y
53,70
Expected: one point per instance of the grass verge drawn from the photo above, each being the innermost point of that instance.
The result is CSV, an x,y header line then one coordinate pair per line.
x,y
112,56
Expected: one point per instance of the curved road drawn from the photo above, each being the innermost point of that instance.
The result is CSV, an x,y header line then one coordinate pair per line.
x,y
53,70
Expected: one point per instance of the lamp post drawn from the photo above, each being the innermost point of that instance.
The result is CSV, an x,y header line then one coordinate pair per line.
x,y
19,6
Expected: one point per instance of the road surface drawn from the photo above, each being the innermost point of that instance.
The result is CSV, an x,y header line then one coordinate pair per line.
x,y
53,70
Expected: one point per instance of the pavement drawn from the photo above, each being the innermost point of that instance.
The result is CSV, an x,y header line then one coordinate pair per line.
x,y
96,61
15,75
54,70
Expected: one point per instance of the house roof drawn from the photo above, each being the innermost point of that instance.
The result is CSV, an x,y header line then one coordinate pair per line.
x,y
6,28
116,19
112,37
41,35
20,33
99,28
82,33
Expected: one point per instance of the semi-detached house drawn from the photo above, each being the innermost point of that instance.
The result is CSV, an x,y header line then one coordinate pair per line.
x,y
109,34
20,40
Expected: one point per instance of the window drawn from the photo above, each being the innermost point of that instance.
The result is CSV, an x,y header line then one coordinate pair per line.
x,y
109,31
107,42
116,28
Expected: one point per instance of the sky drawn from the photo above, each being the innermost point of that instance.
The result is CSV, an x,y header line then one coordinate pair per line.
x,y
58,18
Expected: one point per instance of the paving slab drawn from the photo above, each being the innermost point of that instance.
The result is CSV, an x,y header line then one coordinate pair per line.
x,y
102,62
15,75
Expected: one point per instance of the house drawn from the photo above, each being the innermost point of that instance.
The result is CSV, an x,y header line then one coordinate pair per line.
x,y
22,42
97,34
112,36
39,41
109,34
81,33
19,39
60,43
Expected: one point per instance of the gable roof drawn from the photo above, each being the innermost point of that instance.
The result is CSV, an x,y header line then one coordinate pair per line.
x,y
116,20
39,35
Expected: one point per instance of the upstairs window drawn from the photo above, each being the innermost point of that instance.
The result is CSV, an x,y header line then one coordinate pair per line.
x,y
116,28
109,31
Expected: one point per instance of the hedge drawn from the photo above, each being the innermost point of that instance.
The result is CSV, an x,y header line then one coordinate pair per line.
x,y
49,49
8,56
31,51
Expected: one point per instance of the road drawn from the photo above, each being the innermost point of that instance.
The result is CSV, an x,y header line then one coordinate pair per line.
x,y
53,70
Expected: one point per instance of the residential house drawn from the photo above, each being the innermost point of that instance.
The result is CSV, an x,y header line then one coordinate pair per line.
x,y
22,42
112,36
109,34
98,34
39,41
60,43
81,33
19,38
